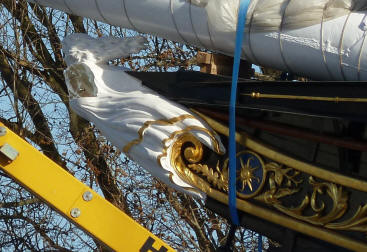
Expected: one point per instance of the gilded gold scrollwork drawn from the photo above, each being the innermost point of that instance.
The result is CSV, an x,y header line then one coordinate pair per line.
x,y
320,217
356,223
186,153
217,179
272,184
323,201
282,182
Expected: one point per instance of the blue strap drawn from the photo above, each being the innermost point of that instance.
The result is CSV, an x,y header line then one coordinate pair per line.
x,y
242,13
260,243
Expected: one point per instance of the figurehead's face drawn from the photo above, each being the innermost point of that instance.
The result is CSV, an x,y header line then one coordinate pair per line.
x,y
80,81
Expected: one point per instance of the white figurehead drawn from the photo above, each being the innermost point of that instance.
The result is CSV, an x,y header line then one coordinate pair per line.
x,y
134,118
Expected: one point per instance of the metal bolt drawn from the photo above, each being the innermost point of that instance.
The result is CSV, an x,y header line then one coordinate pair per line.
x,y
9,152
87,196
75,212
2,131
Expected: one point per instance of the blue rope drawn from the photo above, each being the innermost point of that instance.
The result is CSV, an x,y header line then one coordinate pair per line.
x,y
242,13
260,243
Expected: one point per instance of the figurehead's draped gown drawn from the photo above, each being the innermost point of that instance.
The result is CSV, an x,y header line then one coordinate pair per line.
x,y
134,118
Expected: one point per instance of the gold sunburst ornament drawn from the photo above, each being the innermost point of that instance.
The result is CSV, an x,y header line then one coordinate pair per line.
x,y
246,174
250,175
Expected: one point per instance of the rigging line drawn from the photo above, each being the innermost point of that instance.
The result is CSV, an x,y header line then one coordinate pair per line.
x,y
250,31
67,6
242,13
289,69
175,23
193,27
128,17
210,35
341,51
100,12
360,57
322,47
360,53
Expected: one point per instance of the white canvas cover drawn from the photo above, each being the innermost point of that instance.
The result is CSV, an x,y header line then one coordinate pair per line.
x,y
320,39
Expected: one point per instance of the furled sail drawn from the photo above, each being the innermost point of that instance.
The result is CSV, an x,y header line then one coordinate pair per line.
x,y
320,39
273,15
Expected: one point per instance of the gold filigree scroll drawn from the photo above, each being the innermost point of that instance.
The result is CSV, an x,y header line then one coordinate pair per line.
x,y
192,153
285,182
338,197
325,205
276,156
217,179
357,223
185,150
278,176
282,182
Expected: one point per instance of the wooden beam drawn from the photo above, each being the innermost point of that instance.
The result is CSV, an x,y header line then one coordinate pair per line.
x,y
219,64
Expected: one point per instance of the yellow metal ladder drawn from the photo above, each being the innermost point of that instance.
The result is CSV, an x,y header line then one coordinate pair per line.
x,y
70,197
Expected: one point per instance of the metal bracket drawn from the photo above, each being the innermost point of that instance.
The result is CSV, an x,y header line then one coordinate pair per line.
x,y
9,152
2,131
